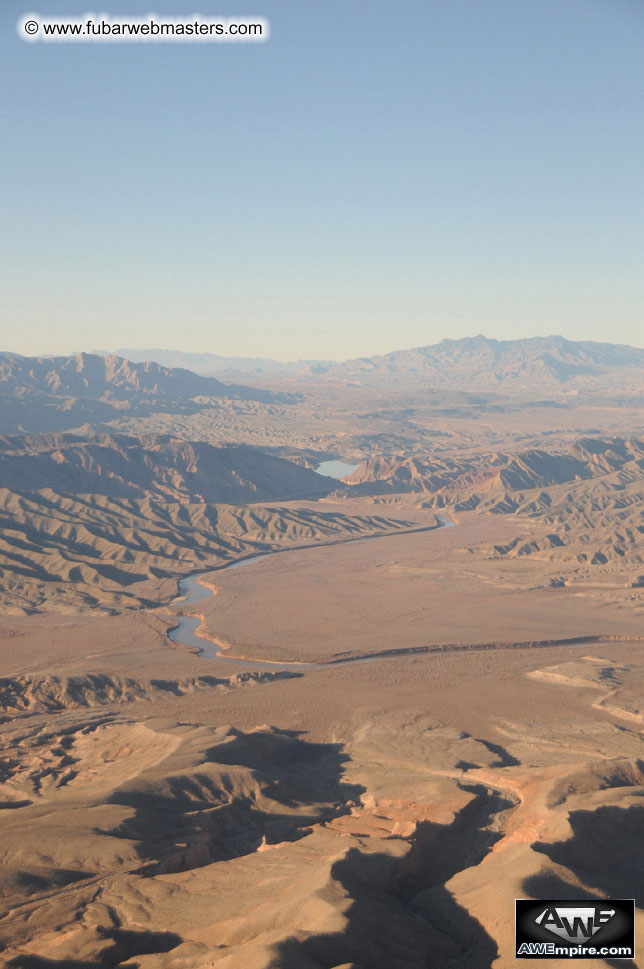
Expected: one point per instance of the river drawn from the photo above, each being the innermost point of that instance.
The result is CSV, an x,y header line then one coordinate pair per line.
x,y
193,591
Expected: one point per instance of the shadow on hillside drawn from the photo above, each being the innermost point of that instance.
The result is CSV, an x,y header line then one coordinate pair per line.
x,y
125,945
203,817
402,915
605,852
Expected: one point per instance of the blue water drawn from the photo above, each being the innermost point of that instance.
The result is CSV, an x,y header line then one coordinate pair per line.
x,y
336,469
192,591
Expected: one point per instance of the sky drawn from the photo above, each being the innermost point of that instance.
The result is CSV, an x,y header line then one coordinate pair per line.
x,y
373,177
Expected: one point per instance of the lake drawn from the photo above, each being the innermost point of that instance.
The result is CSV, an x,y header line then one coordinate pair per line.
x,y
336,469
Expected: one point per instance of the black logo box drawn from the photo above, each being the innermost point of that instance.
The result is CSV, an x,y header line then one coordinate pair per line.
x,y
611,931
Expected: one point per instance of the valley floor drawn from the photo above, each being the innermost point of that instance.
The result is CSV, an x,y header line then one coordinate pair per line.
x,y
168,811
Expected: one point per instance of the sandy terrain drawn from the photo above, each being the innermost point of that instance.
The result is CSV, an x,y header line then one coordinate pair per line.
x,y
402,592
458,720
101,553
163,810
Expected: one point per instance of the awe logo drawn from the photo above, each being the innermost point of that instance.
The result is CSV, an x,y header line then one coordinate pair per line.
x,y
578,928
575,924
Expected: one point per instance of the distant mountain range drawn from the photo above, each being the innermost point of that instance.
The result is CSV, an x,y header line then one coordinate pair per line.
x,y
39,394
59,393
495,364
212,363
477,363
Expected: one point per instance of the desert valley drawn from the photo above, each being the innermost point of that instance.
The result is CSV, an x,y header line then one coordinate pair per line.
x,y
263,711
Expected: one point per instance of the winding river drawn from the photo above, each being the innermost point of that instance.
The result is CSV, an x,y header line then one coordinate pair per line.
x,y
193,591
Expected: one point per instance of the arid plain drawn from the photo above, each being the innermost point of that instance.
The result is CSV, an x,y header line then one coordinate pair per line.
x,y
423,701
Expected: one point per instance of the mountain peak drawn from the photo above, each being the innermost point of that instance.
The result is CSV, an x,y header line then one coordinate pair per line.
x,y
481,363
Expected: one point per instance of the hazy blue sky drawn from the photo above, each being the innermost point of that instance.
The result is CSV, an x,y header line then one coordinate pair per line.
x,y
376,176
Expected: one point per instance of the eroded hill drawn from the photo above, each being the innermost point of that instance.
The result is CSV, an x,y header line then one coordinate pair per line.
x,y
99,521
153,466
581,511
454,478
